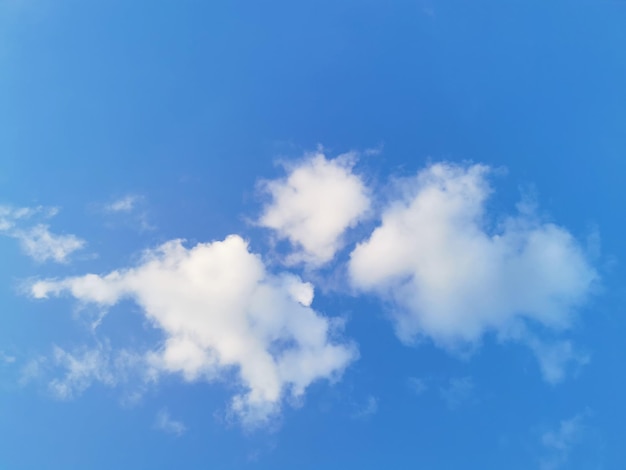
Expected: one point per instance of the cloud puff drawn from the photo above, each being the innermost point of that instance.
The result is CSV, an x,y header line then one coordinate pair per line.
x,y
124,204
222,312
37,241
314,205
451,277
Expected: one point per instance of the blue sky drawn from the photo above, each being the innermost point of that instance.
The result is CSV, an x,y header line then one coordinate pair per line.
x,y
312,234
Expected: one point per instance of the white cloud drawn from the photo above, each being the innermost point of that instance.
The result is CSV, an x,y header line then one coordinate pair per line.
x,y
37,241
314,205
124,204
221,311
560,442
42,245
451,278
164,422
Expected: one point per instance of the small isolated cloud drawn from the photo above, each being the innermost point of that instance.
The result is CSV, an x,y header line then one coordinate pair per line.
x,y
222,312
37,241
164,422
124,204
314,205
6,358
452,278
129,210
457,392
560,442
369,408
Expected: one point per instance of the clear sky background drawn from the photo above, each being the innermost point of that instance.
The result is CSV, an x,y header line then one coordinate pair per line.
x,y
399,224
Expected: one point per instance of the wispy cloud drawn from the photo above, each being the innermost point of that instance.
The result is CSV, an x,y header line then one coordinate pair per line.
x,y
164,422
37,240
458,391
369,408
560,442
81,371
557,358
6,358
67,374
32,370
129,210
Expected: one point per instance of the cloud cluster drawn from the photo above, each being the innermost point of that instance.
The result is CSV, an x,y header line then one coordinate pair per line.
x,y
314,205
447,269
452,276
220,312
37,241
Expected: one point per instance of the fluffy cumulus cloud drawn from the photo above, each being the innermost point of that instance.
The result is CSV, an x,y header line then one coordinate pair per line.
x,y
222,312
451,275
37,241
314,205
